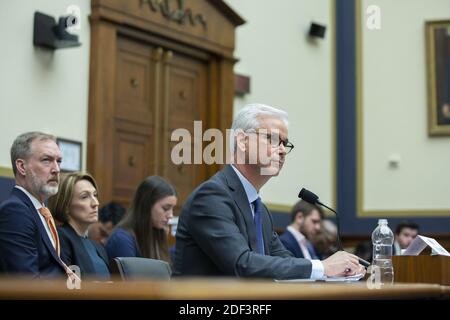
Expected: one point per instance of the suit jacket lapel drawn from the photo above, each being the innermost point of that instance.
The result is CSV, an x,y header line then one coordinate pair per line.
x,y
42,230
241,200
82,256
298,251
46,240
101,254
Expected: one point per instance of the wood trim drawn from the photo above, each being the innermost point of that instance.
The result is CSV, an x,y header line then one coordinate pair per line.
x,y
235,18
163,42
6,172
100,11
102,68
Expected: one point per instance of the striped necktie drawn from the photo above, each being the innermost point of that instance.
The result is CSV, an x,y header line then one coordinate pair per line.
x,y
73,278
51,225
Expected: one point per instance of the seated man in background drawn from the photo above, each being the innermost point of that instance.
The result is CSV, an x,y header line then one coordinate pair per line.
x,y
405,233
325,241
29,243
224,228
109,216
305,225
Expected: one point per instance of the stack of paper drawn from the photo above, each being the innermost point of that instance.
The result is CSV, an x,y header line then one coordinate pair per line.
x,y
354,278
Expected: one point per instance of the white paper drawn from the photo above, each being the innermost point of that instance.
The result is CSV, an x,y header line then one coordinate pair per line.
x,y
354,278
420,242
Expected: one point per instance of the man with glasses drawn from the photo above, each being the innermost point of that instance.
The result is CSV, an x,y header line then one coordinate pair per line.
x,y
224,229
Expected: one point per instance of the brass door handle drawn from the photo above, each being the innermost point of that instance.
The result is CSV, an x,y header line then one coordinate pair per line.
x,y
181,169
158,53
168,55
134,82
131,161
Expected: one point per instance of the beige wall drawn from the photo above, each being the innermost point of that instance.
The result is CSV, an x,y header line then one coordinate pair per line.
x,y
394,104
41,89
291,72
48,91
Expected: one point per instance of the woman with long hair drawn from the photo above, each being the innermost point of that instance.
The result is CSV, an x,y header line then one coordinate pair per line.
x,y
143,231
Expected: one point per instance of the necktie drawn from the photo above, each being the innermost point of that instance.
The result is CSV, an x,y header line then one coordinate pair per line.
x,y
305,249
51,224
312,251
258,225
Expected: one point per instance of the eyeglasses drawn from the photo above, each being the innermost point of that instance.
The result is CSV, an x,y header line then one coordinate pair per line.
x,y
274,140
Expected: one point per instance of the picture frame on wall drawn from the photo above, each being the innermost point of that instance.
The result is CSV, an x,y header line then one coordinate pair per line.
x,y
438,78
71,152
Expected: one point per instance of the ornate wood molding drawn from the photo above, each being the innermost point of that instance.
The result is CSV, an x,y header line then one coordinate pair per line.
x,y
179,15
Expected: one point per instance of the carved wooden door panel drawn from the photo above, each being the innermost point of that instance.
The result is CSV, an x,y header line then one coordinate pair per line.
x,y
134,117
157,92
185,100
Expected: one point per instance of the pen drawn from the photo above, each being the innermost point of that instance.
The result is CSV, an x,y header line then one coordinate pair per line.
x,y
364,262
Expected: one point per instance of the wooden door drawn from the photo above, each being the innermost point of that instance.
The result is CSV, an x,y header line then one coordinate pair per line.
x,y
134,118
185,98
157,92
154,69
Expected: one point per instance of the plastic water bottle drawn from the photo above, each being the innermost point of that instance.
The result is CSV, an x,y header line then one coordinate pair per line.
x,y
382,241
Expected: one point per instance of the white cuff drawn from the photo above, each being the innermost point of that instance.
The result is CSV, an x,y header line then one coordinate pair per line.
x,y
317,271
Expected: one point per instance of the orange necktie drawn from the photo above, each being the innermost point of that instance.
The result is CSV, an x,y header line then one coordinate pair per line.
x,y
51,224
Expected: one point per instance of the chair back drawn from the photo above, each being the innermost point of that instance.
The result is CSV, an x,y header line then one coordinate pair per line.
x,y
133,268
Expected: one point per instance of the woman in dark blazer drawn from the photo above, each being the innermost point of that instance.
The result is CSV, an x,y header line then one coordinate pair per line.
x,y
76,206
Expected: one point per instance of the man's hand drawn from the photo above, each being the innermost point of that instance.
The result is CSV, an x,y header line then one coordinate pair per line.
x,y
342,264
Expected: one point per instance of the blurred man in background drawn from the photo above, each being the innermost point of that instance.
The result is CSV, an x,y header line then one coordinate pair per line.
x,y
405,233
305,225
109,216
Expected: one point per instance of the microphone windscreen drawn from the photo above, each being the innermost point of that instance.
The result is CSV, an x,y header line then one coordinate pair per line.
x,y
308,196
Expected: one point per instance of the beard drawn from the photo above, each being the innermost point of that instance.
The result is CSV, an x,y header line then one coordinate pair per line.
x,y
42,188
304,232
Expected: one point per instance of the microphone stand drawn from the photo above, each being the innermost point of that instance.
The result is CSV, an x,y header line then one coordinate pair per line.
x,y
361,261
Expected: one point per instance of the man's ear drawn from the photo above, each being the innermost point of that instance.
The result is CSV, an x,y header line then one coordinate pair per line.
x,y
299,217
241,139
20,166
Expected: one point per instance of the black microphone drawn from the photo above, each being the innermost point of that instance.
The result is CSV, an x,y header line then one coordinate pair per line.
x,y
312,198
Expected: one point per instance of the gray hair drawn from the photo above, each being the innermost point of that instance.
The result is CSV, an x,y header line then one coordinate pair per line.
x,y
248,118
21,147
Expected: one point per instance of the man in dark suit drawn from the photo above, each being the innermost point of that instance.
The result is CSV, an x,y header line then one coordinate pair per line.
x,y
27,245
305,224
225,230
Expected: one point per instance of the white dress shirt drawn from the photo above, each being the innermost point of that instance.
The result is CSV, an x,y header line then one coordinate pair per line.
x,y
301,240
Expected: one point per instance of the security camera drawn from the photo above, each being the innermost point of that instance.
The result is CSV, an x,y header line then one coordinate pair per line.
x,y
70,21
61,28
54,35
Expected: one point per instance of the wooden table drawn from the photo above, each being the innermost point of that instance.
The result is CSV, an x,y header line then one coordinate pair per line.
x,y
214,288
422,269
